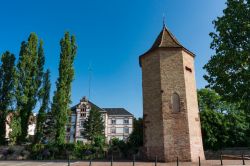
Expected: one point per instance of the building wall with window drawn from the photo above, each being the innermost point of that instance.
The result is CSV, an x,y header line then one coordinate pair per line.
x,y
118,122
79,114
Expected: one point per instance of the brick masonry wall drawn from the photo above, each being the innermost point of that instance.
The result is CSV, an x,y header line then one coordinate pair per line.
x,y
169,134
192,108
176,133
152,112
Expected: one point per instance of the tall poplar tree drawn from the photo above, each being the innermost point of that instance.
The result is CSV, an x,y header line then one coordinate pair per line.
x,y
29,72
7,84
41,117
61,99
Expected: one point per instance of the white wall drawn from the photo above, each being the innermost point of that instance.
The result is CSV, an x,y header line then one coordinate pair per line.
x,y
31,129
119,127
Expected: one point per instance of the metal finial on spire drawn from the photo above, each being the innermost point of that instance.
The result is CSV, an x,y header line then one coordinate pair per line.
x,y
163,20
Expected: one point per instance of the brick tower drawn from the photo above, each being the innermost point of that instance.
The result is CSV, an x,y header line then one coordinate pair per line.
x,y
170,107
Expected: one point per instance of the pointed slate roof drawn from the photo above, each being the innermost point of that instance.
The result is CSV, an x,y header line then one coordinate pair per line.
x,y
166,40
118,112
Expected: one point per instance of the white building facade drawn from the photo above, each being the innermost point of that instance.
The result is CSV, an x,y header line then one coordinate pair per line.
x,y
118,122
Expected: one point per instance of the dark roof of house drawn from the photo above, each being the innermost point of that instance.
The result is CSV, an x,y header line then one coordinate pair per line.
x,y
92,105
110,111
117,111
166,40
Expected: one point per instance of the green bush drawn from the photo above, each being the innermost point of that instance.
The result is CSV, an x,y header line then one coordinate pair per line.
x,y
63,151
10,150
82,151
36,151
119,147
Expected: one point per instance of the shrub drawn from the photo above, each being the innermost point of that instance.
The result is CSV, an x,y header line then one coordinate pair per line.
x,y
124,149
36,151
10,150
63,151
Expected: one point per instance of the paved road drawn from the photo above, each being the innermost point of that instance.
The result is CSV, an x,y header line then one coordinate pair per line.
x,y
80,163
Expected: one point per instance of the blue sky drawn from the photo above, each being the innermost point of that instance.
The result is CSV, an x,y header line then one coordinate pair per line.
x,y
110,36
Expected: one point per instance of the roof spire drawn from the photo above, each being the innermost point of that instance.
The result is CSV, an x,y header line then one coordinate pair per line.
x,y
163,20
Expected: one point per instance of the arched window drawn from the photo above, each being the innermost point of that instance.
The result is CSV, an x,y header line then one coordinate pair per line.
x,y
176,102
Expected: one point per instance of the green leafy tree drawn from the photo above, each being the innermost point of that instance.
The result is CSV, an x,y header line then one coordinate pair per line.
x,y
7,85
228,70
223,124
120,146
29,73
214,129
61,99
41,117
94,125
15,126
99,144
238,127
136,137
48,128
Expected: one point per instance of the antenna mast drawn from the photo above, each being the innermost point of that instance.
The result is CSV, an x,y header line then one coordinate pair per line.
x,y
90,74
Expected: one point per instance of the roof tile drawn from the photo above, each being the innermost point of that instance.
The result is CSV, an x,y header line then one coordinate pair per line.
x,y
117,111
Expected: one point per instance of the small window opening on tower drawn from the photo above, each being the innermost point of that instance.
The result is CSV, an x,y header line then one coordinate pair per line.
x,y
176,102
188,69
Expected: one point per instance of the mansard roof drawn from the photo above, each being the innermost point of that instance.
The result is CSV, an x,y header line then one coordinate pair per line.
x,y
117,111
165,40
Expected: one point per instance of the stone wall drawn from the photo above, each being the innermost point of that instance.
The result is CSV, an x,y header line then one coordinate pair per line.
x,y
196,144
176,132
152,112
168,134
